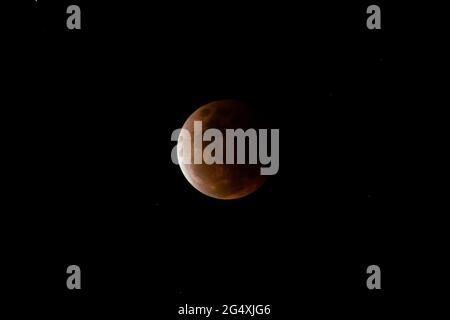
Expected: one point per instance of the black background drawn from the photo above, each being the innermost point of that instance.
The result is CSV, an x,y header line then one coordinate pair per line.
x,y
95,185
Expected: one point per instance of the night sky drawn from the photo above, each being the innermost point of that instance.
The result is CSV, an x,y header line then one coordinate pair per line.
x,y
95,186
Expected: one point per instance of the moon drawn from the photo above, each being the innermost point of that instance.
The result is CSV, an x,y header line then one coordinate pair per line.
x,y
222,181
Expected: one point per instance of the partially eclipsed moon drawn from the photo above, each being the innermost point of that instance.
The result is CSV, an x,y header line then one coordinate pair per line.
x,y
222,181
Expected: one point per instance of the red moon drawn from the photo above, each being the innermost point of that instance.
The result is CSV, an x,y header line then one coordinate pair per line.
x,y
222,181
